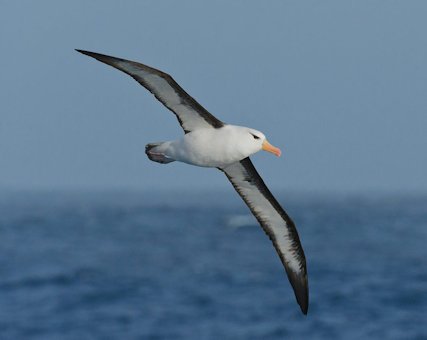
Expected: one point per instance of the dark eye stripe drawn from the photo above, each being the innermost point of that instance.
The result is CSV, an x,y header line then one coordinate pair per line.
x,y
256,137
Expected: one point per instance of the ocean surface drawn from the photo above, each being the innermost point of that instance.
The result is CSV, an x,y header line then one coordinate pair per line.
x,y
119,265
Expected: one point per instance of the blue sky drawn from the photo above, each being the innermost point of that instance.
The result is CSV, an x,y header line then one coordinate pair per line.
x,y
339,86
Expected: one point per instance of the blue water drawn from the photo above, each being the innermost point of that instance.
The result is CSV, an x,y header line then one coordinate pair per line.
x,y
183,266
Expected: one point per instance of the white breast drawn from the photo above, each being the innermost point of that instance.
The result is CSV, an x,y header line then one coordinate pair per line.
x,y
211,147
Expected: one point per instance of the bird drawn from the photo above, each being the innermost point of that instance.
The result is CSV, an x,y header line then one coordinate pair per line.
x,y
209,142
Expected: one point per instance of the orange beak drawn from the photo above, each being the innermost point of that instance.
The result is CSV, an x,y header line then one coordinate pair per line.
x,y
266,146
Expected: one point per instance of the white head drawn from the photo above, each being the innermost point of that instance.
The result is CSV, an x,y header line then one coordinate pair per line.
x,y
251,141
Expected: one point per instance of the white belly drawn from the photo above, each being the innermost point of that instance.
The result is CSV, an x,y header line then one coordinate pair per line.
x,y
206,148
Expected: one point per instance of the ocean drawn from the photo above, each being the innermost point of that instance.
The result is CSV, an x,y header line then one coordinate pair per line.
x,y
144,265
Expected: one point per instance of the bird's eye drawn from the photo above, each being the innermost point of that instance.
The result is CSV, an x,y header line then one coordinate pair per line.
x,y
255,137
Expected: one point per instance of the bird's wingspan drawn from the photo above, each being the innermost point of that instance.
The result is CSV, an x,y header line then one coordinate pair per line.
x,y
191,115
275,222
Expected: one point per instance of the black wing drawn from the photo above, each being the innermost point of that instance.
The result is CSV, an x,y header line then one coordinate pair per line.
x,y
191,115
275,222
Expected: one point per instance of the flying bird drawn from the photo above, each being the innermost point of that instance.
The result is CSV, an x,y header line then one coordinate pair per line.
x,y
209,142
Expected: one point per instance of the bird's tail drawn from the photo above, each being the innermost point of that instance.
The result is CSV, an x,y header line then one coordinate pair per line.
x,y
155,153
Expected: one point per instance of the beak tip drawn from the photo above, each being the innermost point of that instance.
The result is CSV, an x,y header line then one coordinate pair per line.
x,y
270,148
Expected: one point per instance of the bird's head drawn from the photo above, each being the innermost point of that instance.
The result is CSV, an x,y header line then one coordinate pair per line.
x,y
254,141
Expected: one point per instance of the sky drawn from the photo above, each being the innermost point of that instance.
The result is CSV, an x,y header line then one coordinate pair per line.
x,y
339,86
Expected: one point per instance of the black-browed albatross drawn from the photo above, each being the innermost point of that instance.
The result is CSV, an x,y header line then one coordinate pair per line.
x,y
208,142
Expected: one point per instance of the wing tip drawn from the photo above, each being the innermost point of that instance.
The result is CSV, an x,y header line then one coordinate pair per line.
x,y
82,51
106,59
300,285
303,303
91,54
